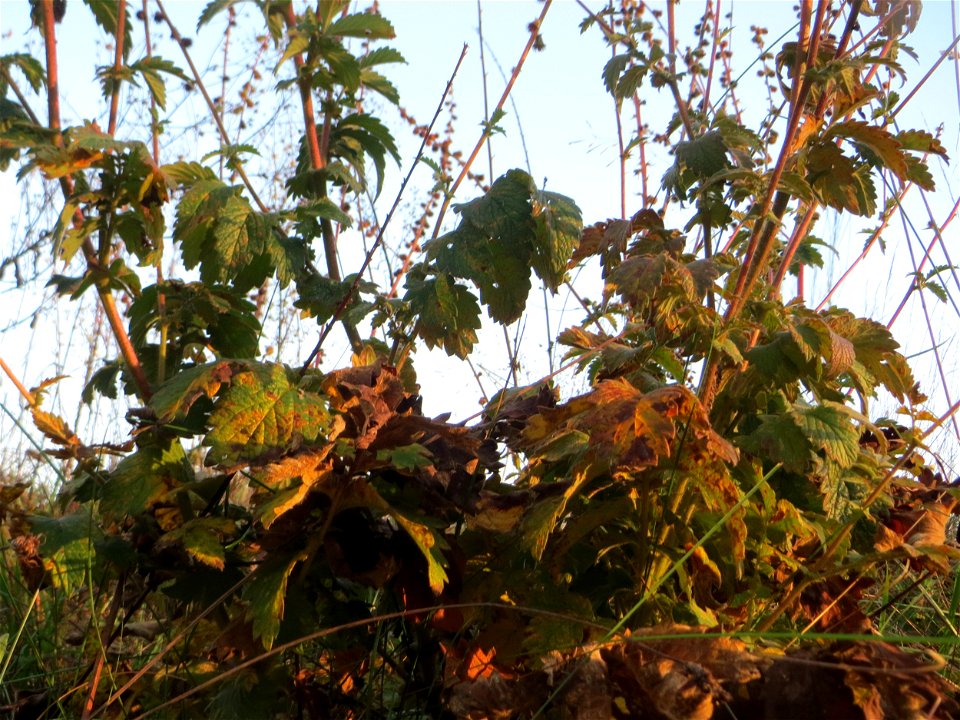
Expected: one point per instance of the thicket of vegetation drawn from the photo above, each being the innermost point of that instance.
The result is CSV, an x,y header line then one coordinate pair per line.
x,y
719,526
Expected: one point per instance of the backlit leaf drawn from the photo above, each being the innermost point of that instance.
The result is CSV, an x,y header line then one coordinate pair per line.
x,y
362,25
202,539
828,428
558,224
262,414
265,595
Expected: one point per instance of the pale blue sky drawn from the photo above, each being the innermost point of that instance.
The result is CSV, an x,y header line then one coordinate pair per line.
x,y
569,129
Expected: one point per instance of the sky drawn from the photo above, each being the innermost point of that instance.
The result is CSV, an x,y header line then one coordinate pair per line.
x,y
560,124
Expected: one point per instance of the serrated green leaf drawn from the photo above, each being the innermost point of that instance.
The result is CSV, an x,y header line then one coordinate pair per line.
x,y
796,185
362,25
202,539
921,141
144,477
613,70
196,314
325,208
262,415
830,430
378,83
494,244
212,9
175,397
558,224
705,155
106,14
150,69
321,297
103,381
30,67
447,313
232,242
265,595
919,173
779,439
297,43
381,56
360,135
186,173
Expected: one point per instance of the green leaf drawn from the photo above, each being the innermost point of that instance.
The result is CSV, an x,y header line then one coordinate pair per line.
x,y
103,381
362,25
298,43
318,208
67,547
213,8
265,594
447,313
780,439
175,397
830,429
381,56
232,242
141,479
150,69
558,225
375,81
612,72
197,314
60,532
320,296
360,135
406,457
704,155
202,539
30,67
106,14
262,415
919,173
921,141
494,244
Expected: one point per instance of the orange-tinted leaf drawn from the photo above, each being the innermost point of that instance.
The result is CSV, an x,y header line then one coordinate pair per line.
x,y
263,415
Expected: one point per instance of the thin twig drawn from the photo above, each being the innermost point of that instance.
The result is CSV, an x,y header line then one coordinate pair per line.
x,y
104,637
379,239
8,78
484,136
170,645
364,622
198,81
